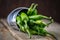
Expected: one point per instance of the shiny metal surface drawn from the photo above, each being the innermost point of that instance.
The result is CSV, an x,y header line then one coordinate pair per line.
x,y
11,18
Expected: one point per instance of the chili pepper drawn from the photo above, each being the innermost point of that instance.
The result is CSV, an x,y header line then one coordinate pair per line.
x,y
18,19
39,22
43,32
25,19
31,23
39,17
32,10
24,16
27,28
33,32
19,24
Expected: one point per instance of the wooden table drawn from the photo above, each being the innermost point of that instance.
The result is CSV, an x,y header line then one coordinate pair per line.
x,y
8,33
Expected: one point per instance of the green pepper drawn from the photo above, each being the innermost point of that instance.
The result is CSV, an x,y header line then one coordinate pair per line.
x,y
24,16
39,17
32,23
22,28
19,23
39,22
43,32
27,29
32,10
33,32
18,19
36,28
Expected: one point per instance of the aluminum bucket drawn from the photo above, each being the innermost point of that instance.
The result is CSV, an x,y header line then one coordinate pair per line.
x,y
11,18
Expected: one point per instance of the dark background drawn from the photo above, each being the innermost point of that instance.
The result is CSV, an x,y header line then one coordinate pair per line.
x,y
45,7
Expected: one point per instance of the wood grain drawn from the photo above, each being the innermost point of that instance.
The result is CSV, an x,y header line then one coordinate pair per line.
x,y
5,34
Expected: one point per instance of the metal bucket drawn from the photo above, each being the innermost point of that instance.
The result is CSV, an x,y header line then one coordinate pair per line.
x,y
11,18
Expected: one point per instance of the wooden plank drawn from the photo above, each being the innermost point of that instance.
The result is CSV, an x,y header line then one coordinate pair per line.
x,y
10,30
5,34
23,36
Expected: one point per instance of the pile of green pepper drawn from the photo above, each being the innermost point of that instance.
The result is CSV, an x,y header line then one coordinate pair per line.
x,y
31,23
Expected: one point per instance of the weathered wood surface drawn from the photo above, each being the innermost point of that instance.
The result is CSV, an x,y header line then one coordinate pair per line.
x,y
5,34
17,35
